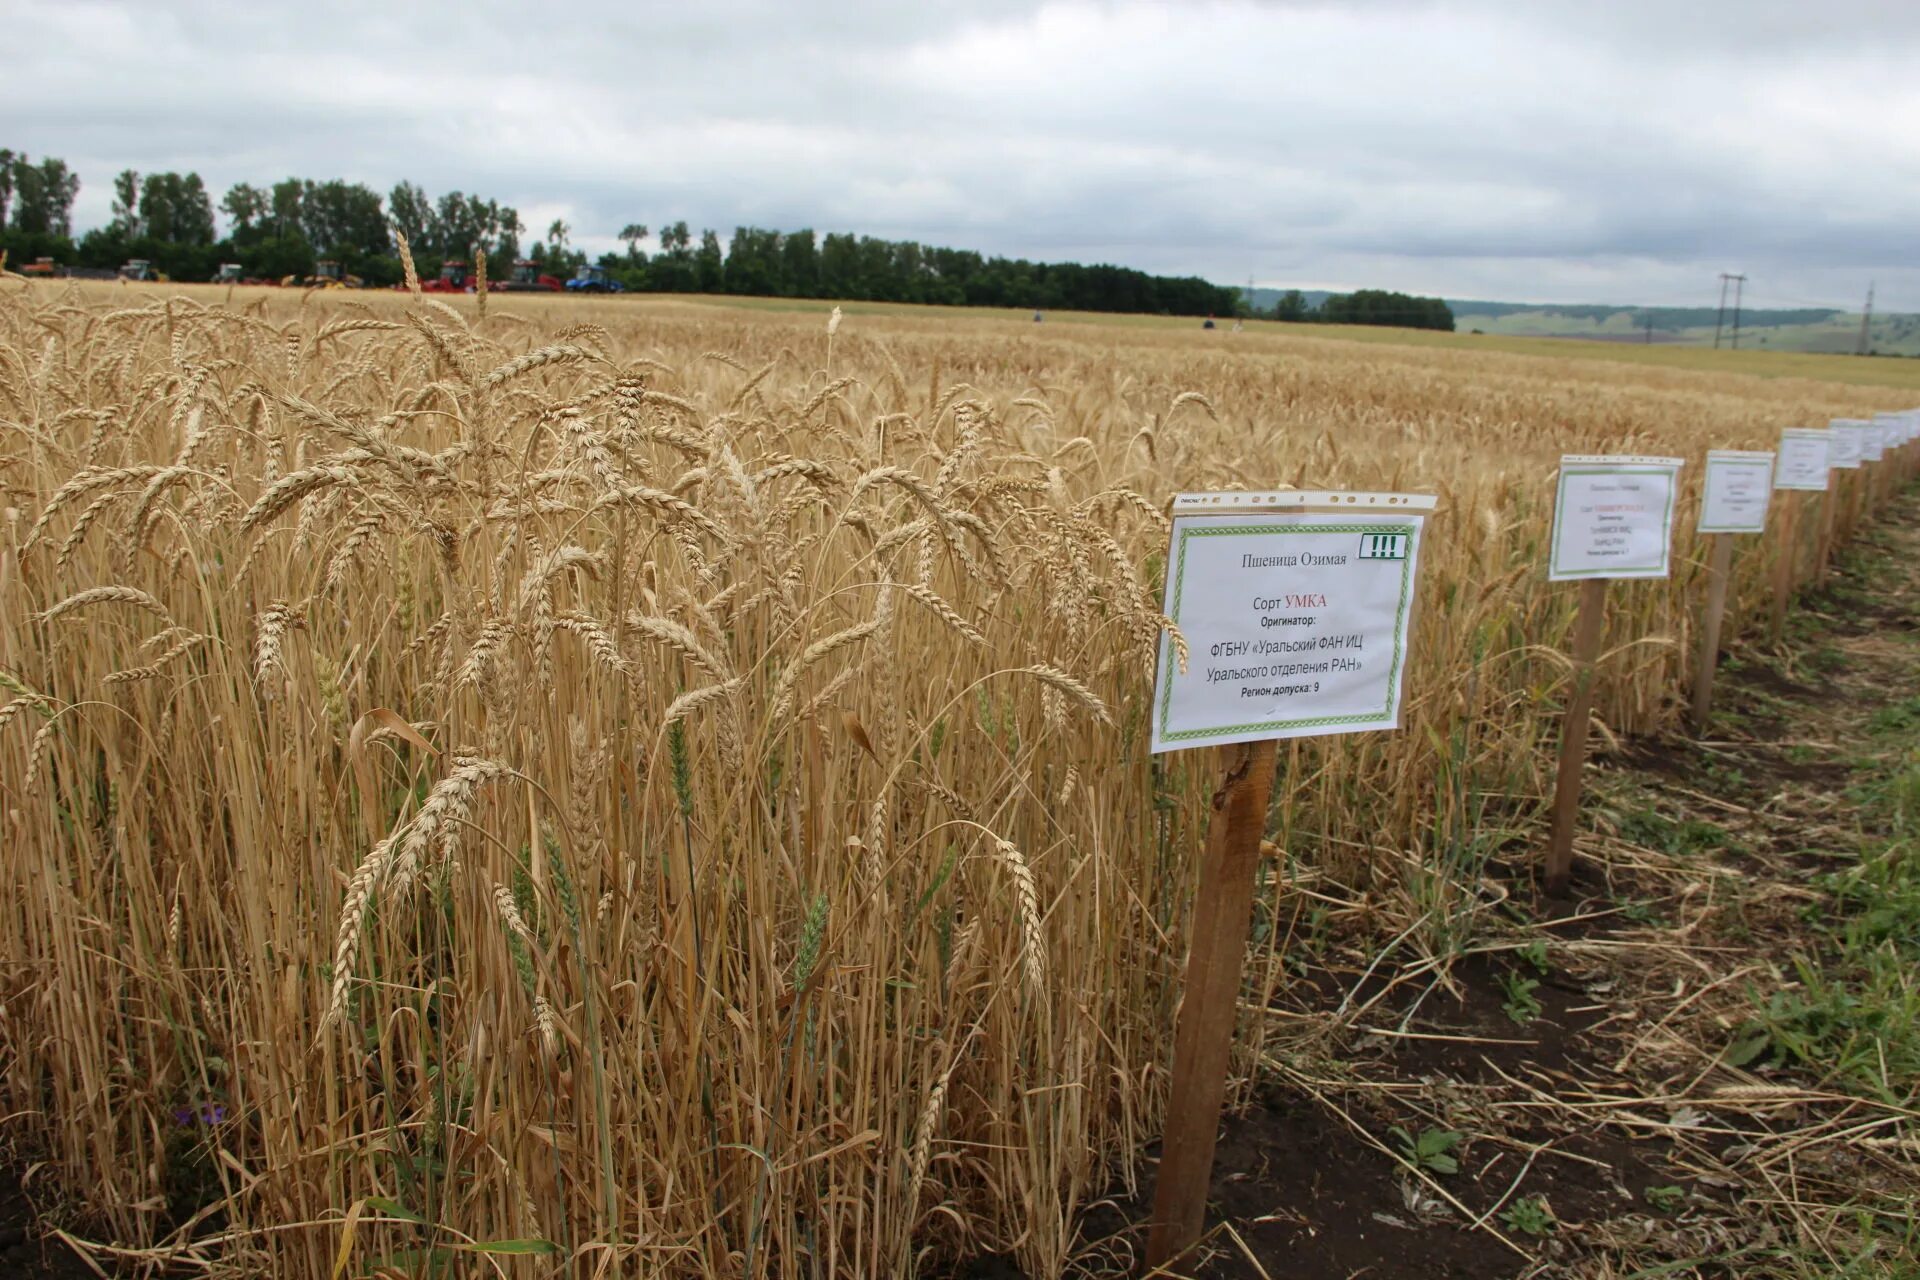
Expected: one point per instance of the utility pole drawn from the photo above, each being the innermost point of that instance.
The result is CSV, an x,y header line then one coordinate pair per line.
x,y
1739,284
1728,277
1721,318
1649,328
1866,319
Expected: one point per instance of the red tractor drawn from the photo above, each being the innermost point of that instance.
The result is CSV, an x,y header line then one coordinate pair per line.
x,y
527,278
455,277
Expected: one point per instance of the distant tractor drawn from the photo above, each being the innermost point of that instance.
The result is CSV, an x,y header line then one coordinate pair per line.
x,y
528,278
141,269
40,268
454,273
594,280
455,277
229,273
327,274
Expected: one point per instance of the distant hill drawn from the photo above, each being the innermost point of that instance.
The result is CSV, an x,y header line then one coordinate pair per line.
x,y
1815,329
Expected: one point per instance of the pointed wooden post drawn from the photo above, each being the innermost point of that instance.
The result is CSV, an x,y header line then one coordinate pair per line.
x,y
1829,503
1718,566
1783,567
1203,1041
1573,734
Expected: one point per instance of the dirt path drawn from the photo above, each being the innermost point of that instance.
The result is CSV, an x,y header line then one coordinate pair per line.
x,y
1709,1065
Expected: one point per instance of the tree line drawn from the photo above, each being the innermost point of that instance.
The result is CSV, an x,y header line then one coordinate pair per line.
x,y
173,221
284,229
1365,306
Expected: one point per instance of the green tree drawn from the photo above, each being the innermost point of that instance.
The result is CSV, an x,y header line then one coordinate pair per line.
x,y
672,269
754,264
156,204
174,208
1292,307
709,264
508,229
284,206
126,202
411,212
343,219
43,197
1382,307
800,264
246,206
633,233
557,237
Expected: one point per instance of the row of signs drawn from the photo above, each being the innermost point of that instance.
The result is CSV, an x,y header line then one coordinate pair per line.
x,y
1296,606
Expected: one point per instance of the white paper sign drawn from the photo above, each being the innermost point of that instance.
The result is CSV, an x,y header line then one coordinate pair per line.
x,y
1737,489
1873,442
1296,622
1803,459
1613,517
1847,444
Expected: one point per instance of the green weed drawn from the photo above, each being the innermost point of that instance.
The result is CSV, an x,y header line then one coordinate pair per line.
x,y
1521,1004
1530,1215
1432,1149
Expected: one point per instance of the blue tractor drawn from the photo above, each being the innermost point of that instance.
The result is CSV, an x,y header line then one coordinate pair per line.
x,y
594,280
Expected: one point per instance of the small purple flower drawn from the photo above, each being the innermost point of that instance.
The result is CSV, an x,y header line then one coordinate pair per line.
x,y
208,1114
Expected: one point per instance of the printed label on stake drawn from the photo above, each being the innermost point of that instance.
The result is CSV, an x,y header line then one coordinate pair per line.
x,y
1847,443
1803,459
1296,622
1738,486
1613,517
1873,441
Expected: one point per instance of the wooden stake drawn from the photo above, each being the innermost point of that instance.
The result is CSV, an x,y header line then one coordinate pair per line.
x,y
1573,734
1703,669
1203,1041
1789,560
1829,500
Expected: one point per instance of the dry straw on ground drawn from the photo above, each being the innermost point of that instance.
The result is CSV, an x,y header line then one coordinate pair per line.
x,y
672,784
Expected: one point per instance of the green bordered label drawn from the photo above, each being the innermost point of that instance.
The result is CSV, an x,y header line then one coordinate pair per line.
x,y
1296,625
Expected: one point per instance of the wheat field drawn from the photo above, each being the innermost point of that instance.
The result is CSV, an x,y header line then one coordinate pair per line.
x,y
516,781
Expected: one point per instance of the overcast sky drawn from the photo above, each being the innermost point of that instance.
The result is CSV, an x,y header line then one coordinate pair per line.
x,y
1599,150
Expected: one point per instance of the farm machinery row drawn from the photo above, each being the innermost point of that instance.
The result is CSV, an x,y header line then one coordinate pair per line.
x,y
456,276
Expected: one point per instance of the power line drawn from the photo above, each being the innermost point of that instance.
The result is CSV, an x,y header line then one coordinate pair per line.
x,y
1738,282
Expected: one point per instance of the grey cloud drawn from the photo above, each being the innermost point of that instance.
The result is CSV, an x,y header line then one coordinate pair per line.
x,y
1555,149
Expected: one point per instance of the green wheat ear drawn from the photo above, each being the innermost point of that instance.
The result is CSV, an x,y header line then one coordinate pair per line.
x,y
811,936
562,879
682,768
